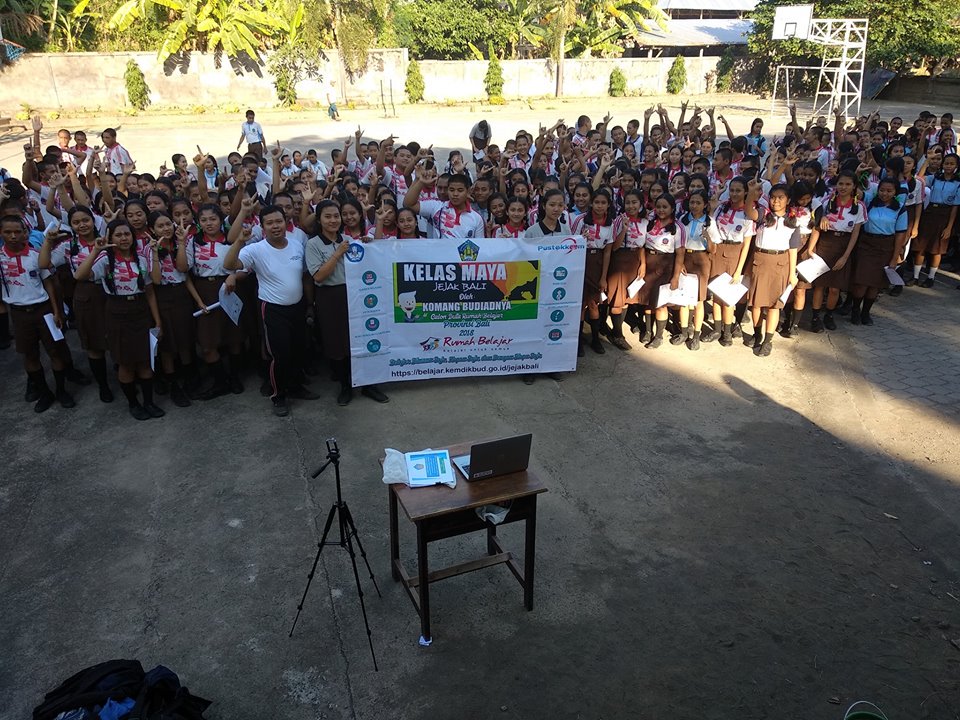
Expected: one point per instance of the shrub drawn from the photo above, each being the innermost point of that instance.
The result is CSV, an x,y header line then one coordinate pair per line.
x,y
677,76
138,92
725,72
414,86
618,83
493,80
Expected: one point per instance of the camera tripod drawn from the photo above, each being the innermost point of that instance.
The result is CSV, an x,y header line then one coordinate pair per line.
x,y
348,535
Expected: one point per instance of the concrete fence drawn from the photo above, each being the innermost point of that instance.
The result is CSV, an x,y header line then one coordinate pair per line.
x,y
91,80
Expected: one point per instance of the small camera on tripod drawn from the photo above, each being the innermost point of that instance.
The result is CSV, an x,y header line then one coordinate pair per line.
x,y
332,450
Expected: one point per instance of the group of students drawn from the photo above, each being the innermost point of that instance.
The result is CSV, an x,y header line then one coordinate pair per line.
x,y
90,244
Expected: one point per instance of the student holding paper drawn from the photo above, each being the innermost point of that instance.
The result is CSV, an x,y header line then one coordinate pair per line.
x,y
207,250
600,228
626,264
878,248
836,229
772,268
28,291
735,226
176,296
701,242
663,254
131,309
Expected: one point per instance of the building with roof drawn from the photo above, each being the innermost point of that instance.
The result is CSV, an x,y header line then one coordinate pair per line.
x,y
698,27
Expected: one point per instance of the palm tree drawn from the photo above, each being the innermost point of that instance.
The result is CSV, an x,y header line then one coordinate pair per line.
x,y
596,25
19,19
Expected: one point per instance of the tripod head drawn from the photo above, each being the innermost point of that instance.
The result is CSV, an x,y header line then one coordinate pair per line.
x,y
333,452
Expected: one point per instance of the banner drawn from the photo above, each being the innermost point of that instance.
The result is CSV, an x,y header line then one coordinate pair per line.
x,y
422,309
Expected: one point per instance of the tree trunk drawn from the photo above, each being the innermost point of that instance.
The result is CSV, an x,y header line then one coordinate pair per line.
x,y
560,55
53,20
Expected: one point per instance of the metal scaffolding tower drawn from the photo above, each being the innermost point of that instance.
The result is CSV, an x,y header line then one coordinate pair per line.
x,y
841,70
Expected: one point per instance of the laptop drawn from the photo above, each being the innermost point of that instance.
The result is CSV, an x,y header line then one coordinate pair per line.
x,y
494,458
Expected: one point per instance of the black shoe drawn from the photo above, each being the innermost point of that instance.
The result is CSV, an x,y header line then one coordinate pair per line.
x,y
154,411
896,291
855,317
76,377
737,331
236,385
178,395
597,346
44,402
828,322
580,351
280,407
344,396
844,308
160,385
302,393
928,283
866,319
605,330
816,325
709,336
106,394
693,342
32,394
789,330
763,350
266,389
66,400
374,393
529,379
678,339
910,282
216,390
654,342
752,341
726,339
138,412
620,342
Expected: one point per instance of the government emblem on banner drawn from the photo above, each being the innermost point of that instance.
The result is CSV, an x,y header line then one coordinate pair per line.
x,y
469,251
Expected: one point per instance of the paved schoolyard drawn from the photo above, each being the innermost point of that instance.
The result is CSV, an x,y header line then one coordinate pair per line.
x,y
724,536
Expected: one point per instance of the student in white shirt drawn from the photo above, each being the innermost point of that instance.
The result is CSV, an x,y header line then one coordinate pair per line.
x,y
28,291
453,218
252,133
279,264
115,156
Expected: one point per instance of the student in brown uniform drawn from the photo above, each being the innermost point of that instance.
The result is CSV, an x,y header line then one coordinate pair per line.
x,y
626,264
772,267
837,225
28,291
131,309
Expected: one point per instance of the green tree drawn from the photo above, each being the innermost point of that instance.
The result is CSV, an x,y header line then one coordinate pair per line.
x,y
357,24
677,76
493,80
138,92
524,22
235,27
414,86
921,35
21,21
298,47
445,29
618,83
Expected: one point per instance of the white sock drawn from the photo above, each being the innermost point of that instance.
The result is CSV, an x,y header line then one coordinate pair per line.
x,y
916,271
932,273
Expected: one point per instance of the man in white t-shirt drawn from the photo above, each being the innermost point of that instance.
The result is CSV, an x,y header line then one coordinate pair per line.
x,y
252,133
281,271
452,218
115,155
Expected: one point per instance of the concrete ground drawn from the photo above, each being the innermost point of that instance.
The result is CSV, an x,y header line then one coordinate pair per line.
x,y
724,536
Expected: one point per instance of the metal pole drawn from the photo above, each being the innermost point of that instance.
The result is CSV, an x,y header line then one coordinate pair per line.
x,y
393,108
773,102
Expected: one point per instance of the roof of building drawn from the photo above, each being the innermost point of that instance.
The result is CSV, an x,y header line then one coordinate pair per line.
x,y
713,5
698,33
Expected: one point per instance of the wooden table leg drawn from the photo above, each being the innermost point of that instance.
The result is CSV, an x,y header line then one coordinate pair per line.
x,y
423,572
394,534
529,551
491,534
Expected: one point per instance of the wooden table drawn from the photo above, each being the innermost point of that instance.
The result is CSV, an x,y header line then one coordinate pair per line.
x,y
441,512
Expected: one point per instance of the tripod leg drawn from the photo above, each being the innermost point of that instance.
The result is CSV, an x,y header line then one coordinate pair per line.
x,y
363,607
316,561
352,529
